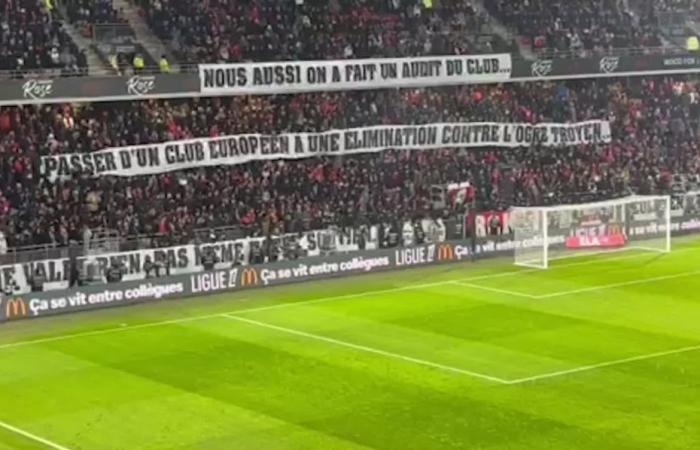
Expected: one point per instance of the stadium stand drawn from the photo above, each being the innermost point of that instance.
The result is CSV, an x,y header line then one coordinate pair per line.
x,y
655,124
32,38
236,31
92,11
230,31
581,25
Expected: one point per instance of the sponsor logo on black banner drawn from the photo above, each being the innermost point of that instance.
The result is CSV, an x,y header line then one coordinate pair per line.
x,y
542,67
609,64
15,308
138,85
37,89
445,253
249,277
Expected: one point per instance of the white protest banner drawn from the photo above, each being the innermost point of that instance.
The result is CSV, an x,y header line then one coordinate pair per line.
x,y
240,149
290,77
182,259
20,276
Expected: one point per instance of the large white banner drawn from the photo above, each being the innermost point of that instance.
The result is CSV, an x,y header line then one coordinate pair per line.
x,y
290,77
182,259
240,149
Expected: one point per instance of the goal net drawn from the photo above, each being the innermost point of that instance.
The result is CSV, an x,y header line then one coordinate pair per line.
x,y
543,234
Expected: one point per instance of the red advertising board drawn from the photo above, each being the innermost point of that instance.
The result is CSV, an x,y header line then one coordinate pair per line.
x,y
605,241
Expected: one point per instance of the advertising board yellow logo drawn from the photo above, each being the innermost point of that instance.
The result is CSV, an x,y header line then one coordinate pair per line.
x,y
445,253
249,277
15,308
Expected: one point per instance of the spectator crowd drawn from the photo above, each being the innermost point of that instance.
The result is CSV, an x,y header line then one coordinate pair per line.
x,y
654,120
92,11
581,25
32,38
233,30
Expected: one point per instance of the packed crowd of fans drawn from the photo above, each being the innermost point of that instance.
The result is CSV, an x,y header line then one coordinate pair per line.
x,y
581,25
92,11
655,122
32,37
234,30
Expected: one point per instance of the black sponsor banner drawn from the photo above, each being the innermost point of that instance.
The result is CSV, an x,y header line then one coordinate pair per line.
x,y
40,304
605,66
59,90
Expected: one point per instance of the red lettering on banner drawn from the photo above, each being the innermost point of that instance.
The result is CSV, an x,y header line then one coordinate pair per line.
x,y
605,241
482,223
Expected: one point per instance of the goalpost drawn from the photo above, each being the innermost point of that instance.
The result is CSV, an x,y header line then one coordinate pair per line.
x,y
543,234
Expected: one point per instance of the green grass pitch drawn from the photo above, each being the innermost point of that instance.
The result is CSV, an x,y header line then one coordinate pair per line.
x,y
598,353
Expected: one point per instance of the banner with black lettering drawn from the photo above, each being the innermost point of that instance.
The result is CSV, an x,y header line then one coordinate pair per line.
x,y
289,77
185,259
240,149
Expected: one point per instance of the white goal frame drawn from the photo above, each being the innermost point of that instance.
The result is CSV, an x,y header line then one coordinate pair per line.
x,y
533,241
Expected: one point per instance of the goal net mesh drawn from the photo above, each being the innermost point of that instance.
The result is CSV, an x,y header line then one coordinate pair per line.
x,y
543,234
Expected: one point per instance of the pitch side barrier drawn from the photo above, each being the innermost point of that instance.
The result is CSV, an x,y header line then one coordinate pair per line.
x,y
40,304
86,298
288,77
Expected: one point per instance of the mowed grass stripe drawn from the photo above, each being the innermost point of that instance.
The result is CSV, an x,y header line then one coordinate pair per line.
x,y
212,384
523,334
149,386
271,382
433,328
132,317
372,350
350,404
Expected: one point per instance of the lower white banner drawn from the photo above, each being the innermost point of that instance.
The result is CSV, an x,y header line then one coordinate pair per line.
x,y
240,149
186,259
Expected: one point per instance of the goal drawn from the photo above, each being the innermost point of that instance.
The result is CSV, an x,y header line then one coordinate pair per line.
x,y
542,234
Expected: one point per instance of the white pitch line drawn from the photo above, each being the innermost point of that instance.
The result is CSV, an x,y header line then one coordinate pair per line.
x,y
426,285
496,290
119,329
616,362
334,298
239,311
616,285
106,331
367,349
31,436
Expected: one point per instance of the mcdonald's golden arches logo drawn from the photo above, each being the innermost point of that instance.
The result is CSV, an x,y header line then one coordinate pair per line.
x,y
249,277
15,308
445,253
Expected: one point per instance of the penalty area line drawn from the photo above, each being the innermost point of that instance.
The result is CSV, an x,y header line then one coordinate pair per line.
x,y
617,285
617,362
366,349
496,290
32,436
